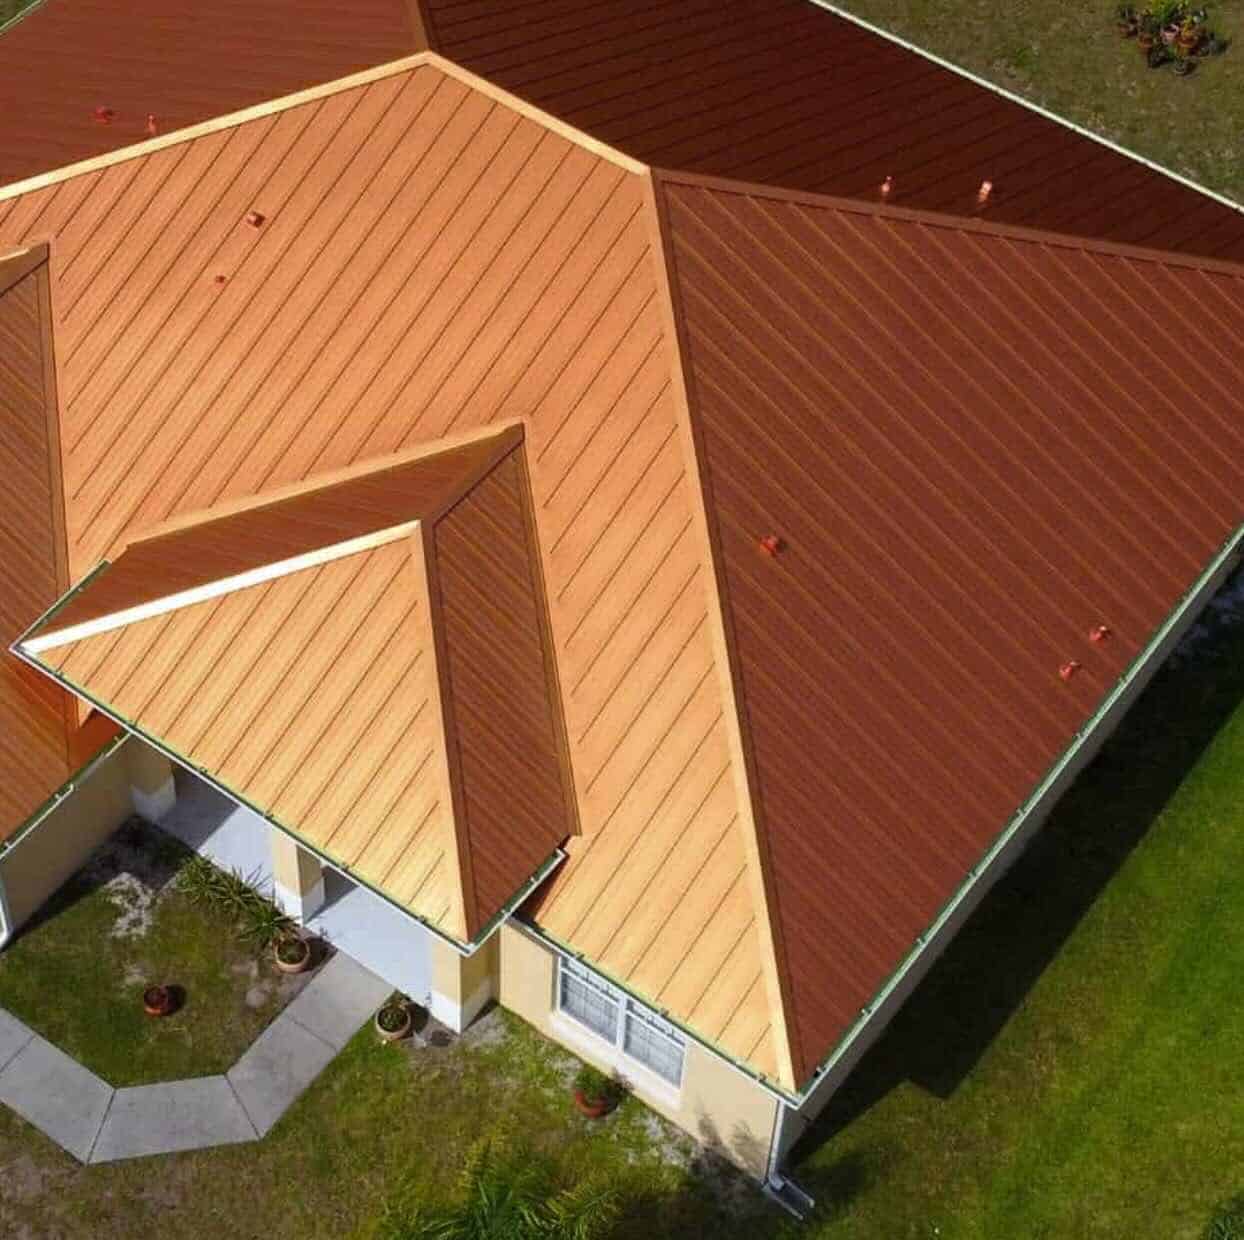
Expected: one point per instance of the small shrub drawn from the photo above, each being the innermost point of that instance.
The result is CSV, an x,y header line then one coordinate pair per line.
x,y
596,1086
392,1016
1228,1222
258,919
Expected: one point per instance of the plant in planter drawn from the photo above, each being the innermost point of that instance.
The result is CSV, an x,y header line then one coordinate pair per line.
x,y
261,922
159,1000
394,1018
1169,32
291,952
596,1094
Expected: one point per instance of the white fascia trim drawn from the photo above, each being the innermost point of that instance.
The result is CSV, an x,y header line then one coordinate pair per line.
x,y
215,589
1003,93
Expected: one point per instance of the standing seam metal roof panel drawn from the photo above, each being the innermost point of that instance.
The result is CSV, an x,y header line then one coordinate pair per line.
x,y
785,93
970,467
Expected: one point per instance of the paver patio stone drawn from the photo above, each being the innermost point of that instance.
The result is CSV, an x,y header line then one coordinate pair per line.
x,y
340,999
280,1065
13,1036
57,1095
172,1116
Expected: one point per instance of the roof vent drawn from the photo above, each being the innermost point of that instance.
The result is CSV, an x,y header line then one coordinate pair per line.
x,y
153,127
982,194
219,279
1069,669
771,544
103,115
254,219
1098,633
886,186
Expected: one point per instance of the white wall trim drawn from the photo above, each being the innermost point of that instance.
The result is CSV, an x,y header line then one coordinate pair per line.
x,y
155,804
300,906
214,589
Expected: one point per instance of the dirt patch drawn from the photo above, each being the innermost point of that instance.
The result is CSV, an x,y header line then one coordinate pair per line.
x,y
135,868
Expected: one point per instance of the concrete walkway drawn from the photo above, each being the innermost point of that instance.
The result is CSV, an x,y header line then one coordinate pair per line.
x,y
97,1123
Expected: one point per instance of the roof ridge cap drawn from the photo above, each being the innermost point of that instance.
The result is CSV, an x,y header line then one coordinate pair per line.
x,y
946,219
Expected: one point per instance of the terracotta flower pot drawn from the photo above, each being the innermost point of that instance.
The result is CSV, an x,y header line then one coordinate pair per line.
x,y
1145,41
392,1035
301,962
158,1000
1188,39
593,1108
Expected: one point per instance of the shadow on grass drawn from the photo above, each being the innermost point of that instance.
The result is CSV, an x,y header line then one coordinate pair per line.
x,y
950,1020
135,847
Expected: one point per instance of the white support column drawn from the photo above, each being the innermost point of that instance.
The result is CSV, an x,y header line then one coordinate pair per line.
x,y
152,789
297,877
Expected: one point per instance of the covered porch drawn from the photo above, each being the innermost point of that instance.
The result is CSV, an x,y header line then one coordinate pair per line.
x,y
352,918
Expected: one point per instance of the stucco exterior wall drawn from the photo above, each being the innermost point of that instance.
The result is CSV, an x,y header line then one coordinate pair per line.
x,y
717,1104
34,867
795,1123
462,985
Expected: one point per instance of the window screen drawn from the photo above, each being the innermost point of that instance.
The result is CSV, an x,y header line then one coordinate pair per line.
x,y
589,1003
657,1048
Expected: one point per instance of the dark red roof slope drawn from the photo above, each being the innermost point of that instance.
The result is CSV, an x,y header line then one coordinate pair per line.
x,y
502,708
783,92
973,456
181,61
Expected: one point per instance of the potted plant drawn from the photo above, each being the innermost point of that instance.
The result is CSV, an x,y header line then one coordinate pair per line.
x,y
158,1000
596,1094
1127,23
291,952
393,1020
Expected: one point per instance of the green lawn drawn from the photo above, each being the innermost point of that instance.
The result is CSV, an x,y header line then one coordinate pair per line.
x,y
77,973
1068,59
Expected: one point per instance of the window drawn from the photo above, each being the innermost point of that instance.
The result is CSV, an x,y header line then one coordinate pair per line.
x,y
589,1002
632,1029
657,1048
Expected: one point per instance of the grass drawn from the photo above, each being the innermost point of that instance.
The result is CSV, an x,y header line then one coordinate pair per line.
x,y
1068,59
77,978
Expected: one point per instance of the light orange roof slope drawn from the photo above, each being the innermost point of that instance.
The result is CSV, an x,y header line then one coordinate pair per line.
x,y
435,257
338,685
966,441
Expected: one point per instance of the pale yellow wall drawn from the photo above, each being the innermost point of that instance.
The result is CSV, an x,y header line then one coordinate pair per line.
x,y
294,868
717,1104
47,855
460,978
149,770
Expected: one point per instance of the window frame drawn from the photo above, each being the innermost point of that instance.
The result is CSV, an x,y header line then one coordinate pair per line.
x,y
626,1008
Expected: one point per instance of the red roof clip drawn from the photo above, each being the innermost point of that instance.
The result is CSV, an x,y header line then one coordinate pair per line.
x,y
771,544
1098,633
218,279
1069,669
886,186
254,219
103,115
